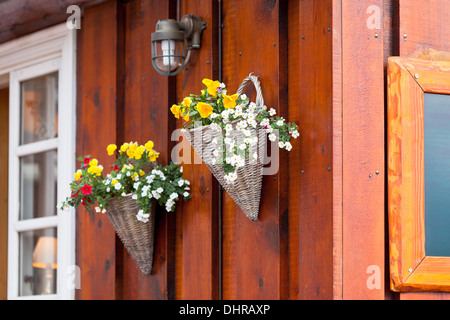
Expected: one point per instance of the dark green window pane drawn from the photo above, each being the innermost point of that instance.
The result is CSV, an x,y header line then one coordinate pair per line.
x,y
437,174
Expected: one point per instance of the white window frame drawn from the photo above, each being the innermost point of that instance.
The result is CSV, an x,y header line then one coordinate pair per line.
x,y
43,52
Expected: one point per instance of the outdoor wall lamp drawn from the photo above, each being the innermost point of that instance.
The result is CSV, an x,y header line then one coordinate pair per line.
x,y
168,46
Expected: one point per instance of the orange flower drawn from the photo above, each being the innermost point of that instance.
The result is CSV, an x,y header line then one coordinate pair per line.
x,y
204,109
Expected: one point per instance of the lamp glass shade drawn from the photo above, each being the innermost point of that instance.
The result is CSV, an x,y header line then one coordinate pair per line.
x,y
37,262
168,56
44,255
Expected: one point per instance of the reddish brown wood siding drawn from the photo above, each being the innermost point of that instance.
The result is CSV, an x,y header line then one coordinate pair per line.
x,y
423,26
322,217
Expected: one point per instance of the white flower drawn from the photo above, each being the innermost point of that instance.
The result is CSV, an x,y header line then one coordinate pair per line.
x,y
156,195
181,182
136,185
128,173
104,211
119,176
174,195
118,186
248,140
272,137
214,115
123,194
160,190
247,132
225,114
251,116
222,85
238,113
252,107
242,146
269,129
253,123
215,127
97,209
144,193
265,122
240,162
295,134
181,169
288,146
230,177
272,112
228,127
215,153
186,194
143,217
243,96
281,144
186,182
280,123
134,196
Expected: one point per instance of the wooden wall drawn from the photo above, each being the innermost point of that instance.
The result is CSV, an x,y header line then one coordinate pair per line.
x,y
322,231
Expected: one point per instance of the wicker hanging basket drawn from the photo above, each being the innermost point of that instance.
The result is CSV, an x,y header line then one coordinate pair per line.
x,y
136,236
246,190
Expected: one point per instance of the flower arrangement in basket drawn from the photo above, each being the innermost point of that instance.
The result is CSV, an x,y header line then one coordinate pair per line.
x,y
229,133
128,193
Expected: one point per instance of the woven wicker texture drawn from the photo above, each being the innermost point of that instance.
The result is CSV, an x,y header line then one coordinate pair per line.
x,y
136,236
246,190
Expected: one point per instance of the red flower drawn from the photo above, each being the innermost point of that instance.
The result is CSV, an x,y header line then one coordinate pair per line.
x,y
86,189
116,168
75,194
82,202
87,160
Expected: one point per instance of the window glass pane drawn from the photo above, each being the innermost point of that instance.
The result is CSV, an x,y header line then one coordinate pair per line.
x,y
38,182
39,108
437,174
37,254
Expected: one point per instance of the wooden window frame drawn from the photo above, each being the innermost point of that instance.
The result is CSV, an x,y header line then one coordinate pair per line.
x,y
410,268
49,50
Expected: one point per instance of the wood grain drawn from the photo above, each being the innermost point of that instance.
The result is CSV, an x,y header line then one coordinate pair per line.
x,y
311,162
363,150
411,270
145,117
21,17
96,128
423,23
197,242
254,251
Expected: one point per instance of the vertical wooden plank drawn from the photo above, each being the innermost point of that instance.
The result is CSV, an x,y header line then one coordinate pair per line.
x,y
254,251
337,147
146,117
363,150
311,163
4,141
197,274
425,27
96,128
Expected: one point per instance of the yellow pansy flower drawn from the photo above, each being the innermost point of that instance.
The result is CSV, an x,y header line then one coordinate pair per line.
x,y
93,163
149,146
138,152
186,102
114,182
153,155
141,173
124,147
186,117
134,176
211,86
77,175
229,102
111,148
204,109
176,111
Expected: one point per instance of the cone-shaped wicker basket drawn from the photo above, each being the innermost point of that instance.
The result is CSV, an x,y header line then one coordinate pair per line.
x,y
246,190
136,236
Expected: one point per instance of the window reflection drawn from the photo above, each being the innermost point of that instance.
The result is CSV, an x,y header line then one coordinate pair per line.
x,y
39,109
38,266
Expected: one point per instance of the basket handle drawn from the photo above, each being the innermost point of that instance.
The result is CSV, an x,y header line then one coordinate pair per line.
x,y
259,96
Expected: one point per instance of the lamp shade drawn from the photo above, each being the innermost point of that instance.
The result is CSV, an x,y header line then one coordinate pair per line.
x,y
44,255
